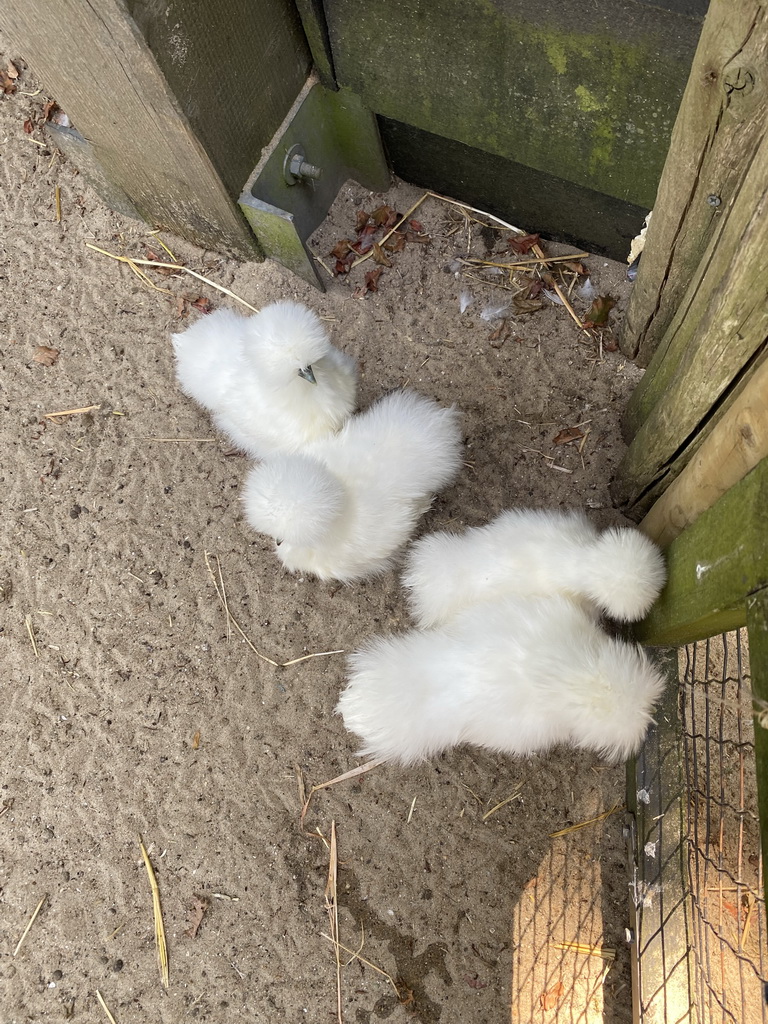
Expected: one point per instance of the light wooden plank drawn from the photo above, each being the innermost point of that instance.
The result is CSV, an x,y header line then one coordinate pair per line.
x,y
725,336
715,136
93,60
735,446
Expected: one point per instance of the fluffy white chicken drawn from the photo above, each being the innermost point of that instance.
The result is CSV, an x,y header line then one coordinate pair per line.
x,y
526,552
516,676
343,507
272,381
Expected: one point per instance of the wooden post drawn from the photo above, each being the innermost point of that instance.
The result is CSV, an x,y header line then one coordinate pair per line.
x,y
178,141
735,446
757,626
713,567
717,130
723,330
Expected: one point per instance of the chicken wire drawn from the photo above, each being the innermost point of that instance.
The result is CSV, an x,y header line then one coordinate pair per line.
x,y
699,930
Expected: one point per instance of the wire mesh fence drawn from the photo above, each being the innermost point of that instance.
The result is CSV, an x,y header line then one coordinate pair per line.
x,y
728,924
699,930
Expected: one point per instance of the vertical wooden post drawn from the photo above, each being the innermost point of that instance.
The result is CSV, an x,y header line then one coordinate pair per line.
x,y
718,128
178,151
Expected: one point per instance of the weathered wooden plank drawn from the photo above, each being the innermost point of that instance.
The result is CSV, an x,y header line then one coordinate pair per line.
x,y
715,137
584,92
720,340
713,566
93,59
734,446
757,626
233,66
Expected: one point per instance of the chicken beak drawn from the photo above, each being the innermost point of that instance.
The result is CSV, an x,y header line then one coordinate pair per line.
x,y
307,374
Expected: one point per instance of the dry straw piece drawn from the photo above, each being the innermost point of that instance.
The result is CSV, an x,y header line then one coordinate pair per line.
x,y
134,264
583,824
162,949
31,921
332,906
219,585
104,1007
604,952
351,774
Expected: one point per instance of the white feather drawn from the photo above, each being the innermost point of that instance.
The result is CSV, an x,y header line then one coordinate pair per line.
x,y
526,552
516,676
245,371
343,508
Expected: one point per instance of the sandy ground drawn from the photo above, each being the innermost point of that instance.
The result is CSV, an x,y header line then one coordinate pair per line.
x,y
131,709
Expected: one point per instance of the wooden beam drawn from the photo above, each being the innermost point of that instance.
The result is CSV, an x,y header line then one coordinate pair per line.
x,y
722,335
94,61
735,446
713,142
757,626
713,566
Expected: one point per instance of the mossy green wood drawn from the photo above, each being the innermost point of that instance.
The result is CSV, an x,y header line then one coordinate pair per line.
x,y
718,336
713,567
719,126
757,626
584,92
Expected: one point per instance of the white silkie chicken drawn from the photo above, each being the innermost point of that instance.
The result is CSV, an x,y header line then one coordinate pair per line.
x,y
516,676
343,507
524,552
272,381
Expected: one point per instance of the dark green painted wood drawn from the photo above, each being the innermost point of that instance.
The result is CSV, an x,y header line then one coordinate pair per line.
x,y
316,30
522,196
713,566
234,67
656,832
757,626
582,91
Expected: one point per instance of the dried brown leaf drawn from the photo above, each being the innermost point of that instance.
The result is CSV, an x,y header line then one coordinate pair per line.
x,y
12,71
341,249
567,435
599,310
500,335
203,304
522,244
474,982
395,242
526,305
196,740
417,226
412,236
7,83
611,345
28,126
372,279
44,355
50,109
379,256
361,219
551,997
384,217
195,915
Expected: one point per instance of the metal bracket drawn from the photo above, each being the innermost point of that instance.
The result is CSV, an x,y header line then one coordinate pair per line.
x,y
326,138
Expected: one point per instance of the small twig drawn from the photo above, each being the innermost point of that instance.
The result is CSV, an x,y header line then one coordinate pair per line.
x,y
351,774
503,803
472,261
236,624
31,921
70,412
605,952
28,624
561,294
583,824
405,216
173,266
162,949
332,906
362,959
158,239
57,201
105,1008
410,813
